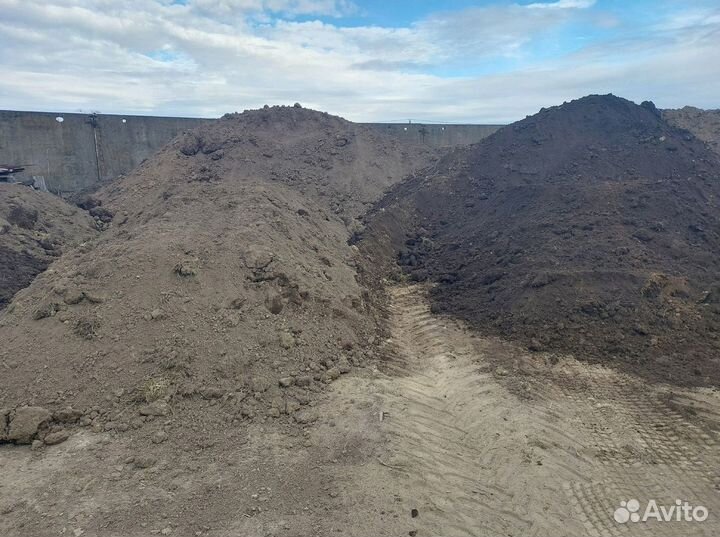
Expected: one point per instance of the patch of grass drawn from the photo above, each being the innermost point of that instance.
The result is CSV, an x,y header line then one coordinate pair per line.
x,y
155,389
86,328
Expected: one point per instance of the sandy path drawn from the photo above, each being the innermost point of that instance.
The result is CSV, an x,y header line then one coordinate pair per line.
x,y
484,449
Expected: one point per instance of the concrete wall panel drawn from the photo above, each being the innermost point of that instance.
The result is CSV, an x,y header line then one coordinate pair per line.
x,y
81,150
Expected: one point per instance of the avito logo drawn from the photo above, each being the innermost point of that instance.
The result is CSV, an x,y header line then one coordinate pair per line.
x,y
681,511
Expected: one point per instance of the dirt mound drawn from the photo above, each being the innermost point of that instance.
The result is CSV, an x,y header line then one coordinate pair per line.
x,y
591,227
197,332
35,227
705,124
225,276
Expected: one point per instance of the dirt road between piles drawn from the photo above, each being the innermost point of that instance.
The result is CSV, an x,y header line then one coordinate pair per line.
x,y
473,446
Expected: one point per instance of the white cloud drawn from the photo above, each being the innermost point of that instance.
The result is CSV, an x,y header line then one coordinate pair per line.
x,y
208,57
563,4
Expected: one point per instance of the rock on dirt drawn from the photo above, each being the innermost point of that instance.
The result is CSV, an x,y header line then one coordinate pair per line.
x,y
156,408
25,422
56,438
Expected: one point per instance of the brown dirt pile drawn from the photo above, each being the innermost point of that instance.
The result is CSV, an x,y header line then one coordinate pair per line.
x,y
590,228
35,228
224,289
705,124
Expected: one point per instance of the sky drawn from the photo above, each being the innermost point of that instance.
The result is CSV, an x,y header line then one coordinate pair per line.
x,y
454,61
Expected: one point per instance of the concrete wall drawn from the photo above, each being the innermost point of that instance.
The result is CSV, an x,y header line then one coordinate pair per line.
x,y
81,150
439,135
73,154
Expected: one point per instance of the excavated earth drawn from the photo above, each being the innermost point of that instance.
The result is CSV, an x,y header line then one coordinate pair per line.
x,y
705,124
591,228
208,318
35,228
225,358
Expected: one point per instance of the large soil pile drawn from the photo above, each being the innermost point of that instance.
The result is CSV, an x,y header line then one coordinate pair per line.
x,y
224,276
35,227
705,124
591,227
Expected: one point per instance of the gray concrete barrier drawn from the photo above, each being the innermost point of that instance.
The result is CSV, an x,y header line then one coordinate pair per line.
x,y
71,152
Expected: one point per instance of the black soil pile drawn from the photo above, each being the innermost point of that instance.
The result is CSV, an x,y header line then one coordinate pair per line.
x,y
589,228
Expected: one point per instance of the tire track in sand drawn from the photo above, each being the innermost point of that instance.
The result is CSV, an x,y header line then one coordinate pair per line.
x,y
478,460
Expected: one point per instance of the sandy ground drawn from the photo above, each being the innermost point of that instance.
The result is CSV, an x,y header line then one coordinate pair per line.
x,y
452,434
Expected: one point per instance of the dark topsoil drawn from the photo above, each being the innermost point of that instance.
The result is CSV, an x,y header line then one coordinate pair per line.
x,y
589,228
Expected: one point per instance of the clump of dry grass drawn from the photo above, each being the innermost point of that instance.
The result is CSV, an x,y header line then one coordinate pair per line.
x,y
155,389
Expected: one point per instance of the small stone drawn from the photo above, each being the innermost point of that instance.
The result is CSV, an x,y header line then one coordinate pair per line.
x,y
145,461
274,303
25,423
122,427
305,416
73,296
57,437
287,341
237,303
67,415
93,297
212,392
304,380
156,314
332,374
286,382
166,531
274,413
156,408
535,345
37,444
4,420
159,437
189,144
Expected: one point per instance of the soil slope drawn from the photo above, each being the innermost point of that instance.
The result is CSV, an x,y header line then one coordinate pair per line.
x,y
35,227
186,347
225,274
590,228
705,124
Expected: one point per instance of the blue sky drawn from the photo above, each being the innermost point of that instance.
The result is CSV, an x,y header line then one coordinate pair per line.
x,y
371,60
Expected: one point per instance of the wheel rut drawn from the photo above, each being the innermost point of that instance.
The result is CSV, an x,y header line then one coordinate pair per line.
x,y
480,456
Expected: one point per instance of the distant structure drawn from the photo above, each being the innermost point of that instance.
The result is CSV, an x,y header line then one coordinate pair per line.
x,y
74,152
